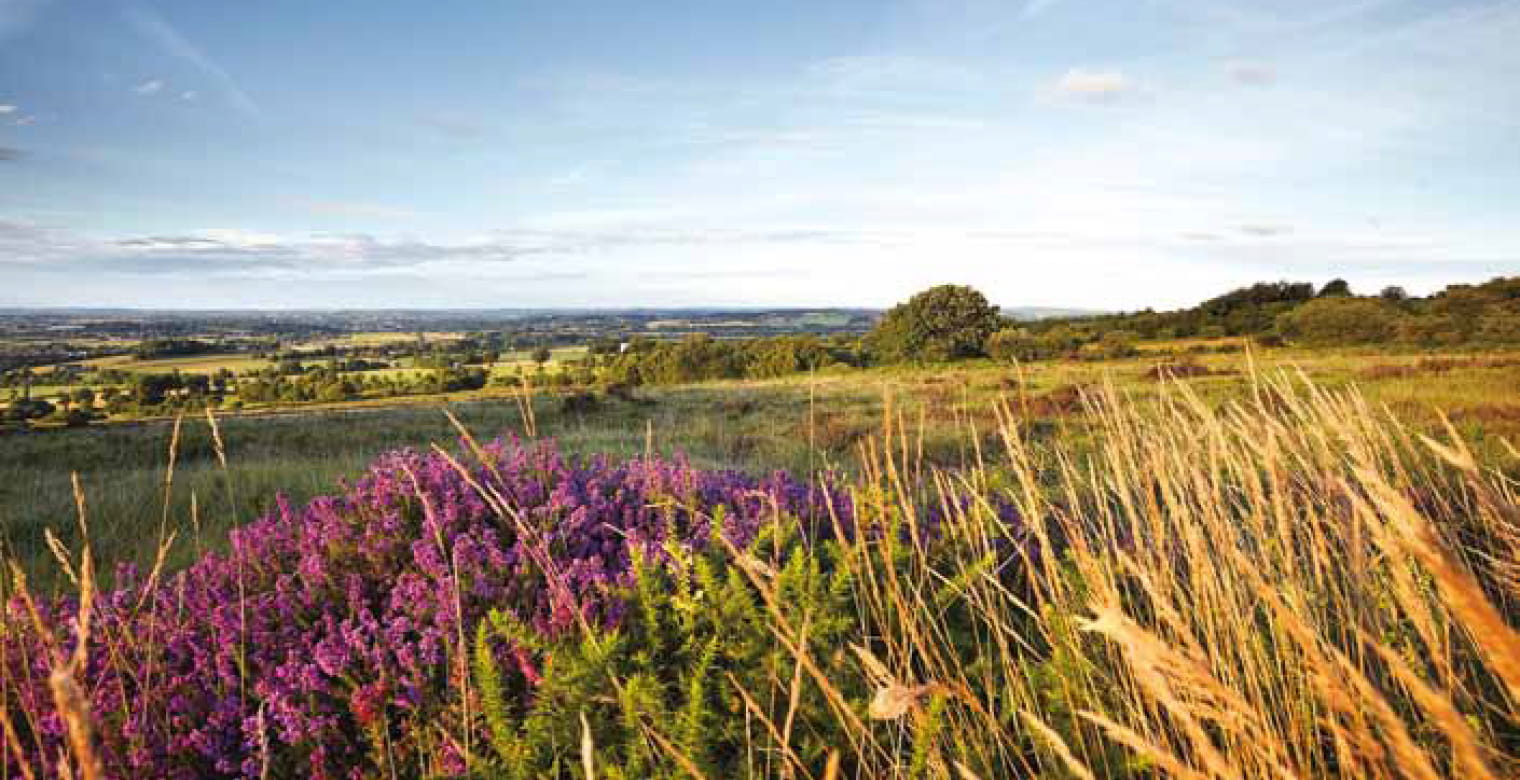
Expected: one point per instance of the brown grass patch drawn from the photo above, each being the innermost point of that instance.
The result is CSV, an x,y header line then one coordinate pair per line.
x,y
1184,370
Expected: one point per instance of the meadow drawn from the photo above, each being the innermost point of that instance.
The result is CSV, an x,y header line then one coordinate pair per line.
x,y
1227,575
1061,567
800,424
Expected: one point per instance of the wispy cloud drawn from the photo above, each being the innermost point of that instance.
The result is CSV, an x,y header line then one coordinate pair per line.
x,y
233,252
10,110
149,87
159,32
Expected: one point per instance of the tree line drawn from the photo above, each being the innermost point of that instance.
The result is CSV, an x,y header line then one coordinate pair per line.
x,y
955,322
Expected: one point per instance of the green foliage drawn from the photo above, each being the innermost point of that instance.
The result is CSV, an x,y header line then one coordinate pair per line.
x,y
924,737
1461,314
700,357
1340,320
1010,344
1244,311
1112,345
160,348
947,322
695,632
1335,288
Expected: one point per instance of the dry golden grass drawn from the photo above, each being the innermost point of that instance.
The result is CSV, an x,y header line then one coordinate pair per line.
x,y
1288,585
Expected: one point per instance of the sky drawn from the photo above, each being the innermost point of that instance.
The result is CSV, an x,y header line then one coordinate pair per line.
x,y
540,153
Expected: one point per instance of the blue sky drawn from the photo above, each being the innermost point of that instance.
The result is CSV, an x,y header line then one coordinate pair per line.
x,y
563,153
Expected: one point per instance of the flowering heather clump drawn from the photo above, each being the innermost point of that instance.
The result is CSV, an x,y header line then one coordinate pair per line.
x,y
335,639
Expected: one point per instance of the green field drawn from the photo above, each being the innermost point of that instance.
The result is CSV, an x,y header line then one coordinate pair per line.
x,y
192,364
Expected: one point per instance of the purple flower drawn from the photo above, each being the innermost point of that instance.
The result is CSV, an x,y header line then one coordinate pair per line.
x,y
321,625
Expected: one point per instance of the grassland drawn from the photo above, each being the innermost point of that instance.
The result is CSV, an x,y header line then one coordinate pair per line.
x,y
1227,575
800,424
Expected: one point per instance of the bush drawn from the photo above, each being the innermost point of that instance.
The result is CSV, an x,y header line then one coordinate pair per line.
x,y
1011,344
1340,320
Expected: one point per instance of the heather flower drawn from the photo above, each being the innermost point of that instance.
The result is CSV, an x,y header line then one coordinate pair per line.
x,y
323,628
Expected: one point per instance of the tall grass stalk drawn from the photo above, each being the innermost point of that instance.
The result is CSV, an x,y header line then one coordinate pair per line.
x,y
1291,584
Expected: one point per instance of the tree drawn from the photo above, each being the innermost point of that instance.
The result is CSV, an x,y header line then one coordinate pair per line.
x,y
947,322
1394,294
1335,288
542,355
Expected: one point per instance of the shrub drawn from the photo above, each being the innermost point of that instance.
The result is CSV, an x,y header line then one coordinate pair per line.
x,y
1340,320
1010,344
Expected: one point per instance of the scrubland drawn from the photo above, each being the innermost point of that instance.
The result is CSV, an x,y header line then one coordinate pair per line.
x,y
1238,565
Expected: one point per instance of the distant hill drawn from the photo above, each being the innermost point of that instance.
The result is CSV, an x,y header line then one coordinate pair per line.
x,y
1030,313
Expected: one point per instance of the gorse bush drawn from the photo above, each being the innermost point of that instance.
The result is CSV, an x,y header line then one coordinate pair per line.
x,y
1288,585
677,668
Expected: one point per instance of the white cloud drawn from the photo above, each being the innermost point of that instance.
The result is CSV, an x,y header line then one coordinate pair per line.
x,y
1098,85
149,87
6,108
188,94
